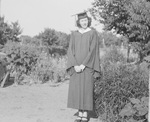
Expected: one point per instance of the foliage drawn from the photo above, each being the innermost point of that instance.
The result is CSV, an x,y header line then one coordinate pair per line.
x,y
24,53
116,54
51,37
112,13
22,59
9,32
112,54
111,39
129,18
32,41
140,25
30,64
25,39
48,37
136,110
120,82
48,69
56,42
63,39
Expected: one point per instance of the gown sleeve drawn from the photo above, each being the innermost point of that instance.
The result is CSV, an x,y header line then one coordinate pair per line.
x,y
71,56
92,60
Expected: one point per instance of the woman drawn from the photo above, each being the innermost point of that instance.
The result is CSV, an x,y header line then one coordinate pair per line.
x,y
83,66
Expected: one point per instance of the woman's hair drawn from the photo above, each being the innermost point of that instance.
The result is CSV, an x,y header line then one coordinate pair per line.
x,y
89,22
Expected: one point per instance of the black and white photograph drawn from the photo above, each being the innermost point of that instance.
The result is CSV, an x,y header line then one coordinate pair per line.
x,y
74,60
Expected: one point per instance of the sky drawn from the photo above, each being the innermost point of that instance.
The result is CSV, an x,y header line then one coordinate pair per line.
x,y
36,15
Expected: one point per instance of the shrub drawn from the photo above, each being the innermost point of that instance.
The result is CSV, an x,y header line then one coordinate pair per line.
x,y
136,110
113,54
32,65
48,69
119,83
59,69
22,59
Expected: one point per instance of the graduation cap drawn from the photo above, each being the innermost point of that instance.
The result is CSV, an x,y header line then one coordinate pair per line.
x,y
80,15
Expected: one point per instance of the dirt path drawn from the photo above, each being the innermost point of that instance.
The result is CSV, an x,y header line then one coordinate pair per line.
x,y
37,103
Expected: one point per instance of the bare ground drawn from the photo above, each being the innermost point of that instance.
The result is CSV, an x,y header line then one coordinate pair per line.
x,y
36,103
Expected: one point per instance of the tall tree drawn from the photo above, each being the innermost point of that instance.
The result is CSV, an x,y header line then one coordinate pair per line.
x,y
55,41
9,32
48,37
15,31
129,18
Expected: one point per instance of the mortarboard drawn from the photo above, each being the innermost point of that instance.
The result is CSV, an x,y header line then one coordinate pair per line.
x,y
80,15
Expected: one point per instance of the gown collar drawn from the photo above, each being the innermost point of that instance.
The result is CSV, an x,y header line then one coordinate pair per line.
x,y
84,31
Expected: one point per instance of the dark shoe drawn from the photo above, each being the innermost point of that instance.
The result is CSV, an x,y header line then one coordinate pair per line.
x,y
77,120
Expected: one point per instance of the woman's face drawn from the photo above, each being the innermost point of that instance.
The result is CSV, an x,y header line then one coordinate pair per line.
x,y
84,23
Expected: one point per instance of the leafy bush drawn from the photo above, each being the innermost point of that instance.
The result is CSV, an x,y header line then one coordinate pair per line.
x,y
9,32
30,64
48,69
119,83
113,54
21,58
136,110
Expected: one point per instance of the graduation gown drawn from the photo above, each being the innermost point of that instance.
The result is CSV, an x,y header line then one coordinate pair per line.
x,y
83,49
